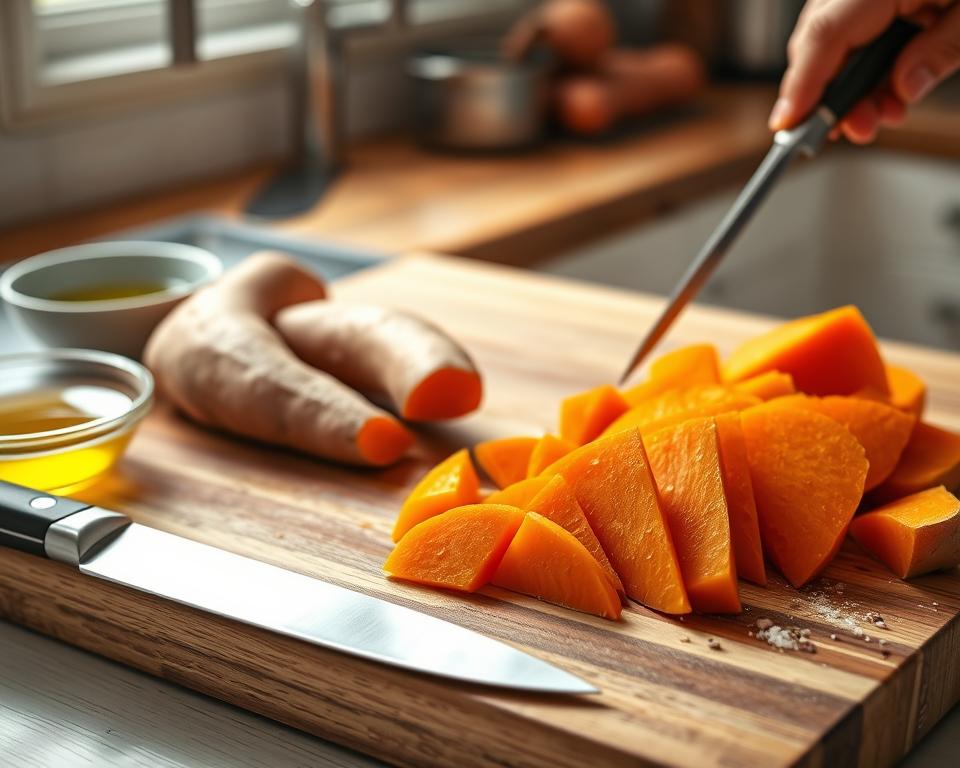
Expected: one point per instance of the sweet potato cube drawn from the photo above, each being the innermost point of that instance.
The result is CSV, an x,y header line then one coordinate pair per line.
x,y
519,494
907,390
744,527
612,482
548,562
691,366
452,483
547,450
584,416
931,458
505,460
460,549
833,353
768,385
685,460
557,503
913,535
881,429
808,473
677,405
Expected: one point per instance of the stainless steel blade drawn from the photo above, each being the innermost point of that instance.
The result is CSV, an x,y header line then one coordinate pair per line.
x,y
805,139
317,612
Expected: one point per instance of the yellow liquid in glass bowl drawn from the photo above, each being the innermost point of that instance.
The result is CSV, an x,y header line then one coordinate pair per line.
x,y
74,464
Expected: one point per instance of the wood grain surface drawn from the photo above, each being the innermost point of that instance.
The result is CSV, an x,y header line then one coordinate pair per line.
x,y
667,697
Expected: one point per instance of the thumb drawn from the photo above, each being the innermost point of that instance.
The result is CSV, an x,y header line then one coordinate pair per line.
x,y
928,59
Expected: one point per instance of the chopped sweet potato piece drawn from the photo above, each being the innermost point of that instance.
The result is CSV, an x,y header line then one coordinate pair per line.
x,y
881,429
932,457
584,416
913,535
691,366
768,385
685,460
744,528
520,494
807,472
547,450
833,353
677,405
460,549
557,502
548,562
452,483
907,390
505,460
612,482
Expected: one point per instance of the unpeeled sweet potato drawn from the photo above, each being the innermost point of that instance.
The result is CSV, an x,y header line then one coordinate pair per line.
x,y
219,360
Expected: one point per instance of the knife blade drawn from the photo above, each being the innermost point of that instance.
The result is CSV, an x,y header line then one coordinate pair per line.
x,y
864,71
107,545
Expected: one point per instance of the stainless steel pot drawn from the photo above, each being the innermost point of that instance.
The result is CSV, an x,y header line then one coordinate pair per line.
x,y
472,99
756,34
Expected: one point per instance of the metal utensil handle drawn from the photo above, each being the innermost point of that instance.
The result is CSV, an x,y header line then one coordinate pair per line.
x,y
866,68
26,515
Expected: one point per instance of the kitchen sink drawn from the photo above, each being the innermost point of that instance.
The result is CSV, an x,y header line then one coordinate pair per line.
x,y
231,241
856,226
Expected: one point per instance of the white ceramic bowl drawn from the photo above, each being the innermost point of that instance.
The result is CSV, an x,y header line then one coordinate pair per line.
x,y
119,325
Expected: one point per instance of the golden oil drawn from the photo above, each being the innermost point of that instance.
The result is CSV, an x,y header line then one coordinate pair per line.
x,y
109,291
64,461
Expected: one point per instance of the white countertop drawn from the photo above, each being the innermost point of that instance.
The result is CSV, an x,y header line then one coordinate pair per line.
x,y
63,707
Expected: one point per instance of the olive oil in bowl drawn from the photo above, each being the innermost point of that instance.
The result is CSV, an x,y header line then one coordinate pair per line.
x,y
111,291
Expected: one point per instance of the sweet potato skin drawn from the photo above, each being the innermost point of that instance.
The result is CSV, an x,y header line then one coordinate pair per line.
x,y
422,372
217,358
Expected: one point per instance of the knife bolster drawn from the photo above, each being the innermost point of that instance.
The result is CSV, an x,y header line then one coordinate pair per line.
x,y
76,536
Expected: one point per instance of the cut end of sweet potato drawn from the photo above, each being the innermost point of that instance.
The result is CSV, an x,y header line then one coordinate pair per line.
x,y
447,393
548,562
914,535
460,549
383,441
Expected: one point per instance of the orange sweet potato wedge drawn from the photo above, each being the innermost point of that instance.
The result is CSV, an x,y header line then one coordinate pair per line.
x,y
744,528
612,482
548,562
557,503
907,390
914,535
460,549
505,460
685,460
881,429
547,450
519,494
768,385
452,483
834,353
808,473
691,366
584,416
931,458
677,405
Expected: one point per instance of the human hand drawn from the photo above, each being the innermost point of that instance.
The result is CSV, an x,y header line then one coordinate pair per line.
x,y
826,33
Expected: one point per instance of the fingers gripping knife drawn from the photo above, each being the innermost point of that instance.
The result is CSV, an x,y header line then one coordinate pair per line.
x,y
107,545
864,71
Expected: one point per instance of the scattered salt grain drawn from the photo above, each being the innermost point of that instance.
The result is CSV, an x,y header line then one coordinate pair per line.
x,y
786,638
714,644
684,639
858,632
833,636
764,623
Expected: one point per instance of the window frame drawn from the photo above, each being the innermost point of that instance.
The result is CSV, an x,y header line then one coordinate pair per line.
x,y
28,105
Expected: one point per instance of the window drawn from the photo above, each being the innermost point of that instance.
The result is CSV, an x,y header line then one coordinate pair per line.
x,y
65,57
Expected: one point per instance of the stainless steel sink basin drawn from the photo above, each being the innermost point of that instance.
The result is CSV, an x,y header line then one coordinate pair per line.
x,y
231,241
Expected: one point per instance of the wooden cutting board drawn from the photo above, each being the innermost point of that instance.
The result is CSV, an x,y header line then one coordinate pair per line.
x,y
667,697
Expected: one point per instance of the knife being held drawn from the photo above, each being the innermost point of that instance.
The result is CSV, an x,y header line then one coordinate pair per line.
x,y
108,545
864,71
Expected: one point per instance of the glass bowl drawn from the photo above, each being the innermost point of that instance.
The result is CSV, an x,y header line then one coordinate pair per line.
x,y
67,415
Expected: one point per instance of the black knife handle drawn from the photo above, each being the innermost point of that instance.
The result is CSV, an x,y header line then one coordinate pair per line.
x,y
866,68
26,515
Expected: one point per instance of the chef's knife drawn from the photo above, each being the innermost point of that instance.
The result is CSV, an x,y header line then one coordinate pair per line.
x,y
107,545
864,71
